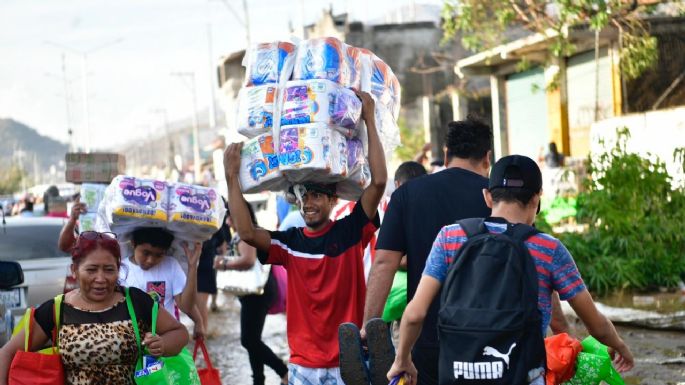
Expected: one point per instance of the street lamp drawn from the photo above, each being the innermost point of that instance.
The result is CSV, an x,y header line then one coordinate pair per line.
x,y
196,123
84,69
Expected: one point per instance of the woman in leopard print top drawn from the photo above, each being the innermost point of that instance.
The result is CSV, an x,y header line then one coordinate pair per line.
x,y
96,339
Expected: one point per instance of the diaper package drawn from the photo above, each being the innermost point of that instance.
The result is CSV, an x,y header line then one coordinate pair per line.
x,y
87,222
135,201
259,168
195,212
92,194
313,152
256,110
321,58
268,63
319,101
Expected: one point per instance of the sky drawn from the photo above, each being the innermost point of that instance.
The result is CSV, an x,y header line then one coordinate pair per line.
x,y
131,48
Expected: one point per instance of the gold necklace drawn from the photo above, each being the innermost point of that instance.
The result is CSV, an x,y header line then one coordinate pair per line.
x,y
89,305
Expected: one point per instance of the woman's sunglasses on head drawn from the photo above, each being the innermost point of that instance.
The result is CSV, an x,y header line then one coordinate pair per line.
x,y
94,235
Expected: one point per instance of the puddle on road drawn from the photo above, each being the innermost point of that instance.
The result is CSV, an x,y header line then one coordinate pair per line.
x,y
658,302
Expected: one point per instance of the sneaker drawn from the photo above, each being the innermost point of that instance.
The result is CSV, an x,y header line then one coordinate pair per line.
x,y
381,351
353,370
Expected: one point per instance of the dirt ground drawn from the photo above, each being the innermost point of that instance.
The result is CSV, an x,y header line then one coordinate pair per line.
x,y
660,355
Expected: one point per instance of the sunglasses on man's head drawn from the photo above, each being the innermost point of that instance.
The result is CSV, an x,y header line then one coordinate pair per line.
x,y
94,235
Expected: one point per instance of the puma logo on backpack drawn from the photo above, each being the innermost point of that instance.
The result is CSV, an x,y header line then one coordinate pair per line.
x,y
490,351
489,326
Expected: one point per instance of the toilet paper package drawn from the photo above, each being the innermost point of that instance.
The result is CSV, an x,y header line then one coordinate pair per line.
x,y
92,194
312,152
259,167
268,63
321,58
195,212
385,86
319,101
352,68
256,110
136,202
351,188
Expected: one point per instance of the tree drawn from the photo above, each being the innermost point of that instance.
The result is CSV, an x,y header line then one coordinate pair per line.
x,y
483,23
10,179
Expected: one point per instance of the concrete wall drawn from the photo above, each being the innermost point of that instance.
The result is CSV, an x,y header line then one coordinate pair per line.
x,y
656,133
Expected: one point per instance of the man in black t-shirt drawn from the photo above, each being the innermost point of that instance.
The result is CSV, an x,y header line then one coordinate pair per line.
x,y
418,210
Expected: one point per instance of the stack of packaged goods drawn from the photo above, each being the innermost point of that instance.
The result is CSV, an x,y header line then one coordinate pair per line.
x,y
191,213
313,116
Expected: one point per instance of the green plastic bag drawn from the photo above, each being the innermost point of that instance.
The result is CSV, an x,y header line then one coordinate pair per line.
x,y
175,370
397,299
593,365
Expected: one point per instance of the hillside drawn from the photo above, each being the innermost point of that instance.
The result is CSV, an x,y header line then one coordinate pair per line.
x,y
15,136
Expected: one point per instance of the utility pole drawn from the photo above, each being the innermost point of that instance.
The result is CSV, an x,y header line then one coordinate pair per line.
x,y
196,124
84,69
244,21
212,73
70,132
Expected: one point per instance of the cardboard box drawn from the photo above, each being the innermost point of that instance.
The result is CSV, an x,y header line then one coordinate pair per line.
x,y
95,167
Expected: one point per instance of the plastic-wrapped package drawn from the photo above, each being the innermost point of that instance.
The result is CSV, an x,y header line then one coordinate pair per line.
x,y
256,110
388,130
353,67
321,58
385,86
355,154
266,63
319,101
259,168
135,201
195,212
312,152
351,188
92,194
87,222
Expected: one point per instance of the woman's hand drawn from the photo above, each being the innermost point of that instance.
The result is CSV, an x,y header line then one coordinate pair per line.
x,y
219,263
194,255
77,209
154,345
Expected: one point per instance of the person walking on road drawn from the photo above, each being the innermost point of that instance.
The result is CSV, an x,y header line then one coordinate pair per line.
x,y
513,193
326,285
253,308
417,211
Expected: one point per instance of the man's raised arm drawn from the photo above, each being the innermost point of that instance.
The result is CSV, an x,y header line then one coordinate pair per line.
x,y
240,215
379,173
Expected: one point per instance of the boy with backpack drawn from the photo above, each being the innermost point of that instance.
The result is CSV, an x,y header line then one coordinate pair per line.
x,y
499,274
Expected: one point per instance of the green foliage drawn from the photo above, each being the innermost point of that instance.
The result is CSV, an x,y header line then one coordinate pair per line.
x,y
483,25
412,141
635,237
10,179
639,53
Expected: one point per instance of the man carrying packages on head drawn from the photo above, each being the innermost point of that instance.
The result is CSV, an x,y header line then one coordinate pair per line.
x,y
326,285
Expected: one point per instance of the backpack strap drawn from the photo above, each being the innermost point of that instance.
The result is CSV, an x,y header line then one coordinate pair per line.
x,y
520,232
473,226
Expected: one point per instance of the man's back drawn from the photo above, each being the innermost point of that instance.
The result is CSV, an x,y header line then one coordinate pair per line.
x,y
417,212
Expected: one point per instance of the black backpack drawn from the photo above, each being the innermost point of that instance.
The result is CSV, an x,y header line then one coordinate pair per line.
x,y
489,325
